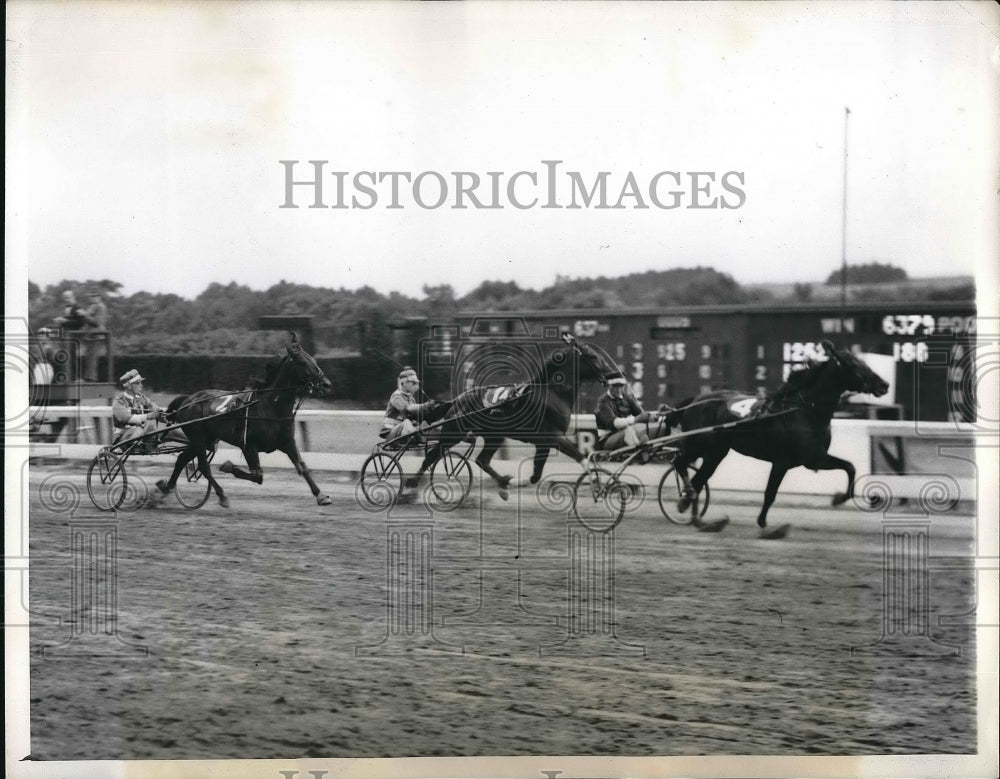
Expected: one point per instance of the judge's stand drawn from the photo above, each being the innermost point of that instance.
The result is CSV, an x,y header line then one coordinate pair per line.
x,y
70,368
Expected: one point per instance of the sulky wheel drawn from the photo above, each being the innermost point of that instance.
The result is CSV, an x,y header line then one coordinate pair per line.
x,y
600,500
192,488
107,482
451,480
381,480
670,491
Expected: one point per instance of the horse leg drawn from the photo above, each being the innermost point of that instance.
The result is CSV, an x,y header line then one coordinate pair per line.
x,y
778,472
302,469
693,487
681,462
433,455
538,463
566,446
166,487
490,446
830,463
206,471
539,459
255,474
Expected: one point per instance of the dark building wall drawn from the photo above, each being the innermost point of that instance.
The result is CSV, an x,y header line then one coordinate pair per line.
x,y
364,381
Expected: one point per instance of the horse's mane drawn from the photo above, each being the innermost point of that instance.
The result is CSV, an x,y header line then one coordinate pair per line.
x,y
270,373
552,365
799,380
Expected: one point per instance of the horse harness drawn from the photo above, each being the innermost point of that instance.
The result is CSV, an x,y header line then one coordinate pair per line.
x,y
494,398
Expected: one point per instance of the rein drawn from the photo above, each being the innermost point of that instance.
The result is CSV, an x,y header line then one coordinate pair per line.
x,y
252,391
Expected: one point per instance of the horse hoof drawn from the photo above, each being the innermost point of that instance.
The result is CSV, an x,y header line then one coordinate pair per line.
x,y
161,485
711,527
226,467
775,532
412,483
324,500
224,502
838,499
504,494
505,482
683,504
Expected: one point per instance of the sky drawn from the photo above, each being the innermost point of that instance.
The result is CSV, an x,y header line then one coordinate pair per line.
x,y
144,141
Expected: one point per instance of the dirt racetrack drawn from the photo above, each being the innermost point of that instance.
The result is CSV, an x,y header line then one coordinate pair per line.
x,y
264,630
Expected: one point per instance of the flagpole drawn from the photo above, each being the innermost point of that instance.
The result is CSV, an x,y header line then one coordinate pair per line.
x,y
843,236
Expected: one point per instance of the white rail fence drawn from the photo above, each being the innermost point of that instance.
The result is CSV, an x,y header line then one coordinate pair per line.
x,y
908,459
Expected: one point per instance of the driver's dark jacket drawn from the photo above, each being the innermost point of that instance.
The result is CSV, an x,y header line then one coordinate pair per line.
x,y
609,409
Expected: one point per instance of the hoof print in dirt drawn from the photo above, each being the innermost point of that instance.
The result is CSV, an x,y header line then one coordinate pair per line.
x,y
771,533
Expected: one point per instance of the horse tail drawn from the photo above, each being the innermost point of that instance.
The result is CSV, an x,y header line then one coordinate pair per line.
x,y
174,406
673,416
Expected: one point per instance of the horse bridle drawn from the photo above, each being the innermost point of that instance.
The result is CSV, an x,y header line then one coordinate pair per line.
x,y
312,381
568,338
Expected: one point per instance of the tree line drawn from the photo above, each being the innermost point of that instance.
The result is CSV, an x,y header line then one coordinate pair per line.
x,y
223,319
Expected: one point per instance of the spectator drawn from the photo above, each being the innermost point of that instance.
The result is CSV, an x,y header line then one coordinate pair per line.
x,y
71,323
73,317
42,372
97,337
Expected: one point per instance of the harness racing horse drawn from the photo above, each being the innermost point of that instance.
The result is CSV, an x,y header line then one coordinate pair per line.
x,y
537,412
788,428
259,419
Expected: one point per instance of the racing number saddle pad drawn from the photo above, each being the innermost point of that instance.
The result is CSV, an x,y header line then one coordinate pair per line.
x,y
495,396
224,403
744,406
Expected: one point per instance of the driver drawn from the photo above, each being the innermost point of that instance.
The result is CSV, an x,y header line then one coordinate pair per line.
x,y
403,412
619,414
135,414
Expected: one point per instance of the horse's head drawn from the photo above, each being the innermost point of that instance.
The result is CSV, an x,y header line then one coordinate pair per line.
x,y
592,363
307,372
853,373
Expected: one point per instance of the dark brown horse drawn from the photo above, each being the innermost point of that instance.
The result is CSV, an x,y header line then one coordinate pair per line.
x,y
259,419
536,412
788,428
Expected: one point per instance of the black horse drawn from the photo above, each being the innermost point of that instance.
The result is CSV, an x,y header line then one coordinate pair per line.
x,y
536,412
788,428
258,419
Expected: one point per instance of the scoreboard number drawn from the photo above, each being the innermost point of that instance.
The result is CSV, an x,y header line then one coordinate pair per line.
x,y
908,324
799,351
925,324
675,351
908,351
